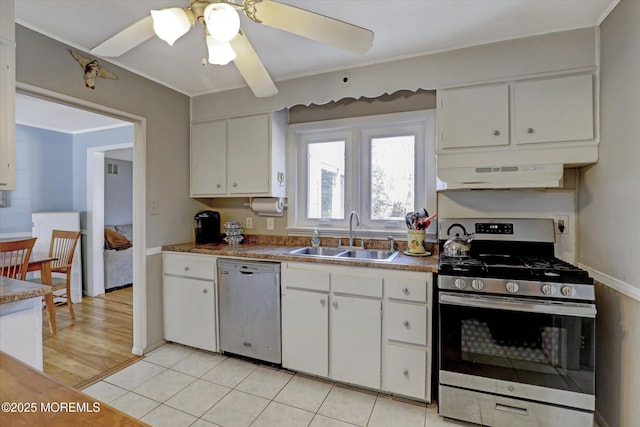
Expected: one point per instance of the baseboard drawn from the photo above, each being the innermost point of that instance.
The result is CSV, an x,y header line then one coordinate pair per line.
x,y
613,283
153,347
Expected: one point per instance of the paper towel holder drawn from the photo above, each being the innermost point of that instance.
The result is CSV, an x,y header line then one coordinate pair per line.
x,y
277,205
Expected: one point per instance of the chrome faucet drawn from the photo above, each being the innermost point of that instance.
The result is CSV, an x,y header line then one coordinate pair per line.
x,y
351,226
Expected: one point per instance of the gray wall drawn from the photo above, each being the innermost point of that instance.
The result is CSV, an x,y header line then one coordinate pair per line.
x,y
608,206
44,180
47,64
118,192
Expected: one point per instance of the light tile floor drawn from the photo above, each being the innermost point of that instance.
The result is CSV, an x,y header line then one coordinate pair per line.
x,y
178,386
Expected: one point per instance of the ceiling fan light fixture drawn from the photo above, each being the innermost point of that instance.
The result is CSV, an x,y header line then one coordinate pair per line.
x,y
222,21
171,24
220,53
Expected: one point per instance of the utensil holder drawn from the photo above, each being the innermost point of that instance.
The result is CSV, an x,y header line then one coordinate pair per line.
x,y
415,241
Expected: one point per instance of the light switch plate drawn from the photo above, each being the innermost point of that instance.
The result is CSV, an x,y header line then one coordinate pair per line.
x,y
270,224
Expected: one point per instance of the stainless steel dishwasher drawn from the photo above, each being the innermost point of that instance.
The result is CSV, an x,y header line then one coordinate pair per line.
x,y
249,309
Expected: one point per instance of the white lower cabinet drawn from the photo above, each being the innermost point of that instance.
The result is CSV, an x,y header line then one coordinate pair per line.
x,y
407,335
355,340
305,331
362,326
189,299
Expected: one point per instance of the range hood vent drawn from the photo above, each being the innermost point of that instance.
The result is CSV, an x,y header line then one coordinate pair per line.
x,y
502,176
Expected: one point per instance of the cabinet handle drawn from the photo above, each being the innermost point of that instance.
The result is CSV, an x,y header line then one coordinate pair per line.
x,y
218,185
335,304
496,132
405,373
406,324
323,302
531,130
186,268
235,184
204,291
405,291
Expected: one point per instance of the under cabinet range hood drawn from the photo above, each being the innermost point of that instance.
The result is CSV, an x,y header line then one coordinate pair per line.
x,y
499,177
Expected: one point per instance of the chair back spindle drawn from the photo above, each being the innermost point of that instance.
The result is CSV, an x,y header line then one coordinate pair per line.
x,y
14,258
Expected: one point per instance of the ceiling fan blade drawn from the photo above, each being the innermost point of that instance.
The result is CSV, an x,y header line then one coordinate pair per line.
x,y
251,67
126,39
314,26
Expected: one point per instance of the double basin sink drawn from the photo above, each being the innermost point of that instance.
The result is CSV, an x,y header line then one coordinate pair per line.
x,y
345,253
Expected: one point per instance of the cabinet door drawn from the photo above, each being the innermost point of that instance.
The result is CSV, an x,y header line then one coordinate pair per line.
x,y
189,312
558,109
248,145
305,332
473,117
209,158
355,340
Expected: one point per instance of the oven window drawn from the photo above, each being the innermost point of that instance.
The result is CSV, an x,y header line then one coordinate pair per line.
x,y
538,349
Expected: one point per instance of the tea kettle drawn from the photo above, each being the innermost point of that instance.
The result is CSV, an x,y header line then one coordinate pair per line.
x,y
457,246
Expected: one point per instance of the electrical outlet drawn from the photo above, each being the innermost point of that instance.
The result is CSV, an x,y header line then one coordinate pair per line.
x,y
270,224
561,224
248,223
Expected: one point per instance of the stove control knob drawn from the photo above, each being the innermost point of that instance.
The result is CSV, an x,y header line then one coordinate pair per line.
x,y
547,289
460,283
567,291
512,287
477,284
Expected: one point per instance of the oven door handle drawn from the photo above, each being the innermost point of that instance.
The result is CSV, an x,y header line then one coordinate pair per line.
x,y
497,303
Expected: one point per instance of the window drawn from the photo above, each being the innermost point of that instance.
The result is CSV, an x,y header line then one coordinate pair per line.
x,y
380,166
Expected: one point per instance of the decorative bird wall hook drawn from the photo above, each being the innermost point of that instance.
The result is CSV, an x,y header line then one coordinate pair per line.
x,y
92,70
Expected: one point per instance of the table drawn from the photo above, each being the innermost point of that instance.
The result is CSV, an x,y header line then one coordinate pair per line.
x,y
24,385
42,263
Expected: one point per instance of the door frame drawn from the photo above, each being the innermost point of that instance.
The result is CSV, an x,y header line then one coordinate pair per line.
x,y
139,201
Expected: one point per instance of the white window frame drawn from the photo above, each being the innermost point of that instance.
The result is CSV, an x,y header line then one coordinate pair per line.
x,y
357,132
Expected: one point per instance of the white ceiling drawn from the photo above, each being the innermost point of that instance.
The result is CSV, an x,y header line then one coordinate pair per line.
x,y
48,115
403,28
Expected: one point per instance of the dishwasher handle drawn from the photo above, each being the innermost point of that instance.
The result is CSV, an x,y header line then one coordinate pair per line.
x,y
247,273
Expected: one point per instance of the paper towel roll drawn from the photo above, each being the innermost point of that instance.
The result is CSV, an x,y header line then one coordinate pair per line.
x,y
268,206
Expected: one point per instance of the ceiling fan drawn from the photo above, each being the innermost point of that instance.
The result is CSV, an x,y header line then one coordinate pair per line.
x,y
227,42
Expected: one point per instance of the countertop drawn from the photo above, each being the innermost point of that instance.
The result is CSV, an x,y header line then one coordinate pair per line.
x,y
40,400
279,253
12,290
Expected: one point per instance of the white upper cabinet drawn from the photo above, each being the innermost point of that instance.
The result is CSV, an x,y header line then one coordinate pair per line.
x,y
474,117
239,157
518,134
209,159
7,97
558,109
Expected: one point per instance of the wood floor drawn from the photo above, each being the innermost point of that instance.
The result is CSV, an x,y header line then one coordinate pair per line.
x,y
97,342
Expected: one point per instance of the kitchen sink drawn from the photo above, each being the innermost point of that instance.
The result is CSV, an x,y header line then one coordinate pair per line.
x,y
369,254
344,253
317,251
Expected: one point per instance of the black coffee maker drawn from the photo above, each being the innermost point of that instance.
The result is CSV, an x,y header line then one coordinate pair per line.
x,y
207,227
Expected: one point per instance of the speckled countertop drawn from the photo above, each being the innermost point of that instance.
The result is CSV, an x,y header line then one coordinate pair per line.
x,y
12,290
276,248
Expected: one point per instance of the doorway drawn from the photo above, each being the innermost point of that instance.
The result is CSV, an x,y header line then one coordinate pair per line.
x,y
95,237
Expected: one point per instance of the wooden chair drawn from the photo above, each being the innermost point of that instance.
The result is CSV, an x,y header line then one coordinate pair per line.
x,y
62,247
14,258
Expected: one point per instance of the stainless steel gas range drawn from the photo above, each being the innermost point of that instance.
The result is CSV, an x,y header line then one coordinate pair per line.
x,y
516,327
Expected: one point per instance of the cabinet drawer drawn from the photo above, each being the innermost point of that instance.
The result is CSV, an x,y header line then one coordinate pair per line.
x,y
409,287
406,322
189,266
370,286
404,371
305,279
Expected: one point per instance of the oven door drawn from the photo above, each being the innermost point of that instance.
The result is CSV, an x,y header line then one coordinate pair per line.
x,y
525,348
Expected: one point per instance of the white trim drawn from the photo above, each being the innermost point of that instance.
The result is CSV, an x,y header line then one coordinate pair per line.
x,y
613,283
153,251
14,236
606,12
139,204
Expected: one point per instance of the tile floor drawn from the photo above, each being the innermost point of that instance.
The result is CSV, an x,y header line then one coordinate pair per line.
x,y
181,386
